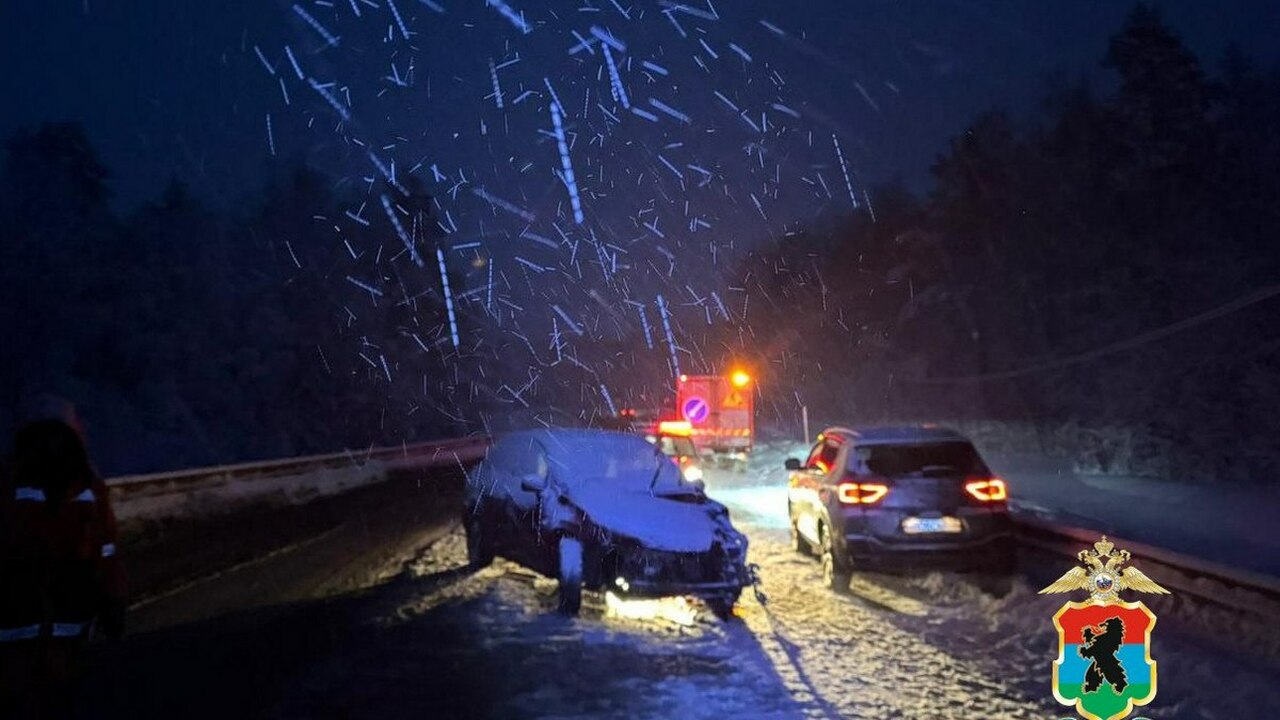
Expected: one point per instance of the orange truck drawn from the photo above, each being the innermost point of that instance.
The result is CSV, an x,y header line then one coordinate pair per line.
x,y
721,411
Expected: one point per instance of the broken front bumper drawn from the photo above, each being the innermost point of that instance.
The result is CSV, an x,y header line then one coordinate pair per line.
x,y
718,572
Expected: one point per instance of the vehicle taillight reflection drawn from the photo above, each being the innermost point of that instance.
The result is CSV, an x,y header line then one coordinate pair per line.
x,y
861,493
987,489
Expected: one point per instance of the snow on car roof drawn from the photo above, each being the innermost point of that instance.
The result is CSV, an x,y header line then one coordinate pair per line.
x,y
556,440
890,434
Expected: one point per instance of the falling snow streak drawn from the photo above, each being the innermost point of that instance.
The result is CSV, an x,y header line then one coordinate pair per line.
x,y
365,286
555,340
395,12
510,13
315,25
696,12
608,39
388,172
670,110
654,68
773,28
644,114
845,169
554,97
671,167
618,90
784,109
271,140
338,107
503,204
497,89
608,399
263,58
583,44
294,62
644,322
741,53
575,327
671,341
448,297
293,255
720,305
566,167
404,237
488,294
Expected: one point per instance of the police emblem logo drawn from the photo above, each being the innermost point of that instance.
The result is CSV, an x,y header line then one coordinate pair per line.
x,y
1104,666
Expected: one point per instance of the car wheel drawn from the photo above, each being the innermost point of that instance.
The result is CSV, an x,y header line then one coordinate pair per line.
x,y
570,575
479,545
835,573
798,543
722,607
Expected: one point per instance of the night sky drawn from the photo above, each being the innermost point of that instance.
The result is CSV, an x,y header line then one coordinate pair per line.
x,y
169,88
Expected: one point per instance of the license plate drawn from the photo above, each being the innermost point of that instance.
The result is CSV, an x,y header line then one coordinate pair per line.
x,y
918,525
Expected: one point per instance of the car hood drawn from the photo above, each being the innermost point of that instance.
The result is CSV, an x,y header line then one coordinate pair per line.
x,y
657,522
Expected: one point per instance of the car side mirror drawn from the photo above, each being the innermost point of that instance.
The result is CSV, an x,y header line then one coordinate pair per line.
x,y
533,483
699,486
792,464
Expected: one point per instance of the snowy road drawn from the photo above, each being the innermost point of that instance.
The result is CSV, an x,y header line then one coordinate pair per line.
x,y
442,642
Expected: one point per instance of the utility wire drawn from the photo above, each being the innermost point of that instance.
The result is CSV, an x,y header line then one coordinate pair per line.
x,y
1240,303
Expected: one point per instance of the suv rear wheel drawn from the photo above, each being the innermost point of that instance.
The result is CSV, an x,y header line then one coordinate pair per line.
x,y
798,542
835,570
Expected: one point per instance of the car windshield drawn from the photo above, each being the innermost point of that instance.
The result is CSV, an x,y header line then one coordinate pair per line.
x,y
931,459
626,461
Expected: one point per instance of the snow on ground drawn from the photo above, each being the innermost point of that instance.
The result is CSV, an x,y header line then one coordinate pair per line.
x,y
1227,524
446,642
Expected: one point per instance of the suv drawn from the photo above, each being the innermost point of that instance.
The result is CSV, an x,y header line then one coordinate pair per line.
x,y
897,497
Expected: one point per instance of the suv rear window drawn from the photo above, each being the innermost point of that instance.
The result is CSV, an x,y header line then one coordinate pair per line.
x,y
931,459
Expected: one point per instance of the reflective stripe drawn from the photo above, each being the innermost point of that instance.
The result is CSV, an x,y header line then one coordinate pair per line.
x,y
68,629
109,550
29,493
86,496
19,633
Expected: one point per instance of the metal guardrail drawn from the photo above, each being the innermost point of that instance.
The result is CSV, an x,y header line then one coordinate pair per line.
x,y
424,454
1231,587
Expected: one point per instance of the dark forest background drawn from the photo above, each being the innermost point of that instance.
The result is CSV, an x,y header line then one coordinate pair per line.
x,y
1118,225
194,337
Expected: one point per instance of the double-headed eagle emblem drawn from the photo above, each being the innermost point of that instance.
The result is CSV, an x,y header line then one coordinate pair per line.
x,y
1102,575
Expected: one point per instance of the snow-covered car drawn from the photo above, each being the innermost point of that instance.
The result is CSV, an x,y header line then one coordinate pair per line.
x,y
895,498
603,511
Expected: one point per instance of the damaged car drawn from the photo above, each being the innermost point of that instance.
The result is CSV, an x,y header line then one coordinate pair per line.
x,y
604,511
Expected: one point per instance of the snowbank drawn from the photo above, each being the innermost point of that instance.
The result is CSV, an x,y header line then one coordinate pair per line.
x,y
223,495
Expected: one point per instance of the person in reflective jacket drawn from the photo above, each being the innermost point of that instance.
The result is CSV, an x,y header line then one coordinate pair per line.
x,y
60,575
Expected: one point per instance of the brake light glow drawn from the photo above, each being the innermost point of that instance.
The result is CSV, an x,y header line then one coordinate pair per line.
x,y
987,489
680,428
861,493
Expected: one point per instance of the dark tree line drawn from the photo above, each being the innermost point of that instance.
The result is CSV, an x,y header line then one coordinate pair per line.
x,y
1106,217
188,337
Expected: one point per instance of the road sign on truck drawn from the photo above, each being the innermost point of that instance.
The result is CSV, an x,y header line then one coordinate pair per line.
x,y
721,411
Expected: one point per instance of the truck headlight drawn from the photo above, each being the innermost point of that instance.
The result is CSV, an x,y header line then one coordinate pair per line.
x,y
693,473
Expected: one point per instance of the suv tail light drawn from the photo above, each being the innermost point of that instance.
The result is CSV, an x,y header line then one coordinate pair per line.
x,y
861,493
987,490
